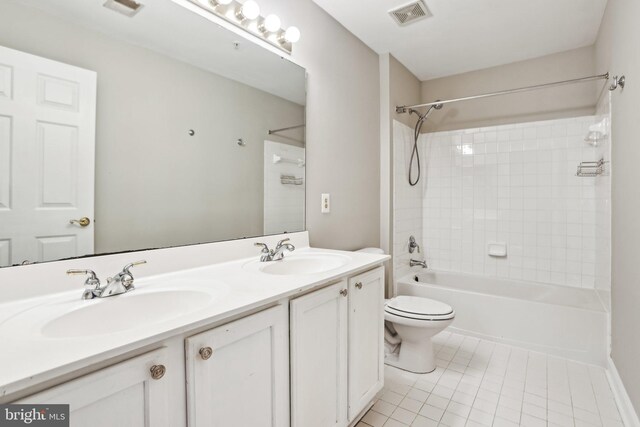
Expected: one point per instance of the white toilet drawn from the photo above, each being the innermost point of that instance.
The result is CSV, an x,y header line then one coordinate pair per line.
x,y
416,320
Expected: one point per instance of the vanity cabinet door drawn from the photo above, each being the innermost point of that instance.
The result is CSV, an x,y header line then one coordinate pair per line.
x,y
366,339
125,394
238,373
319,358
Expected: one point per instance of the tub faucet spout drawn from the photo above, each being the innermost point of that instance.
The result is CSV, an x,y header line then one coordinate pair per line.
x,y
415,262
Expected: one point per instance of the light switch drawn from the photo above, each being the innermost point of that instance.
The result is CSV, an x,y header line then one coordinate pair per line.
x,y
326,203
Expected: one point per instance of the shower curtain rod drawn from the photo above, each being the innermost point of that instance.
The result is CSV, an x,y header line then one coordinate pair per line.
x,y
272,131
405,108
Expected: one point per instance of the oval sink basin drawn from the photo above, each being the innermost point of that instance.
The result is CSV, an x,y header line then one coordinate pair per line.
x,y
301,264
67,316
115,314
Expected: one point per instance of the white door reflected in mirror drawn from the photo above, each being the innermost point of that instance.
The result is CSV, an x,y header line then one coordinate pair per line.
x,y
47,144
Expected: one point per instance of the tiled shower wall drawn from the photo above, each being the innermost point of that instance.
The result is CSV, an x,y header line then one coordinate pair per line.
x,y
283,202
603,203
407,200
514,184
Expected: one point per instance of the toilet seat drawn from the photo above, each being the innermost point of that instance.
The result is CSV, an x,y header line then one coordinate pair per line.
x,y
417,308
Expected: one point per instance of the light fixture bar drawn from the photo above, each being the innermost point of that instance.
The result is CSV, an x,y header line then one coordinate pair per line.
x,y
247,17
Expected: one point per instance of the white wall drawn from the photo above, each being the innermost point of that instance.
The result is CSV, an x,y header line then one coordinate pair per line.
x,y
617,51
343,137
564,101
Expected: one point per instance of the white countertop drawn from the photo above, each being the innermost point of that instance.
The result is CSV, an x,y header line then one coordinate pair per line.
x,y
28,358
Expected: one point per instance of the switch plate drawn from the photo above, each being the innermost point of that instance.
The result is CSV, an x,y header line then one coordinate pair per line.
x,y
326,203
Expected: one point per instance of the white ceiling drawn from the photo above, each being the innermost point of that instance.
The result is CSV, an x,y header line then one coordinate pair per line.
x,y
170,29
467,35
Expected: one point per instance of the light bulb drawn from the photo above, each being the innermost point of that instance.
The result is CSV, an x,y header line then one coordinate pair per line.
x,y
292,34
250,10
224,2
272,23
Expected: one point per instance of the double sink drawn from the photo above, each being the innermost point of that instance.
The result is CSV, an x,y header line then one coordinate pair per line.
x,y
154,301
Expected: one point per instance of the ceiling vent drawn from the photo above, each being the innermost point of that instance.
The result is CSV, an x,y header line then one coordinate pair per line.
x,y
126,7
410,13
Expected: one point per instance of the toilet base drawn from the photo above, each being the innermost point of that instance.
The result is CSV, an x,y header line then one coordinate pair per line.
x,y
418,358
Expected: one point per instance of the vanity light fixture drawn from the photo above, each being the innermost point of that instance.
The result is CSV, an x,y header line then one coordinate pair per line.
x,y
292,35
214,3
249,10
246,15
271,24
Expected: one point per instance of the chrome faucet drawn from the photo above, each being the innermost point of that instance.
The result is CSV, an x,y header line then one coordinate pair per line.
x,y
413,245
276,254
415,262
116,285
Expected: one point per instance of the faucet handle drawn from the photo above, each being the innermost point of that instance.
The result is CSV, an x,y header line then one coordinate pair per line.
x,y
265,248
92,280
282,241
125,276
128,266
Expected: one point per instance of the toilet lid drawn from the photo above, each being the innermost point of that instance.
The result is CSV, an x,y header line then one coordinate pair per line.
x,y
418,307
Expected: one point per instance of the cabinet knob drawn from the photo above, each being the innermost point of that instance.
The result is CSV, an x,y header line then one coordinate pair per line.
x,y
205,352
157,371
344,292
359,285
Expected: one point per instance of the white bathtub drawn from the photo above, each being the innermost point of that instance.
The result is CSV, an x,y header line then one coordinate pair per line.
x,y
560,320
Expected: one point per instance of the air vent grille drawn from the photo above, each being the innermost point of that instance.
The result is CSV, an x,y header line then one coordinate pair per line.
x,y
126,7
410,13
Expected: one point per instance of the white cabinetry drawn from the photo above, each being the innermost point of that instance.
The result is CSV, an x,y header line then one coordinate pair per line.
x,y
125,394
238,373
319,358
337,351
366,339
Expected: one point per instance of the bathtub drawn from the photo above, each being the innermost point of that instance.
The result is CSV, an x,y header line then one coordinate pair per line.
x,y
560,320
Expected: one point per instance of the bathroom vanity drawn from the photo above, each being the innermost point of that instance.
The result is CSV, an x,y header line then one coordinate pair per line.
x,y
232,343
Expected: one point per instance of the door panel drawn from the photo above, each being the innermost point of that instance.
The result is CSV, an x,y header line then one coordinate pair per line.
x,y
58,155
121,395
319,358
5,162
6,81
366,339
245,381
55,247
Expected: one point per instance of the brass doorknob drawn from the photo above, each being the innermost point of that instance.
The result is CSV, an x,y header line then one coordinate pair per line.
x,y
157,371
82,222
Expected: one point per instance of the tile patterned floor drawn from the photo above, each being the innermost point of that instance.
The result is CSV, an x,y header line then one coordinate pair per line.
x,y
481,383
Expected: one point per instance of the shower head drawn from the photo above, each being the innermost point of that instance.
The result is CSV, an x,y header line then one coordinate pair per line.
x,y
424,116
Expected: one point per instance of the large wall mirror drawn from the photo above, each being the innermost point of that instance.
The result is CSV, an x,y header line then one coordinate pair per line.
x,y
124,133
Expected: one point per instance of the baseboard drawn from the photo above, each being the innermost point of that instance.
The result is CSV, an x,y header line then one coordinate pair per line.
x,y
627,412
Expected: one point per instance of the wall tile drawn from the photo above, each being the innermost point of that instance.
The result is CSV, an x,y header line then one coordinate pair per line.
x,y
512,183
